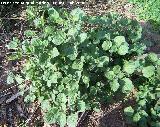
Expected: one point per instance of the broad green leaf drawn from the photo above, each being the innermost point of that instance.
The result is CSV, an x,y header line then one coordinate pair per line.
x,y
48,30
106,45
73,32
120,75
62,119
30,13
123,49
114,85
61,88
152,57
53,14
77,14
39,22
54,77
142,102
61,97
116,69
138,48
72,120
113,49
29,33
148,71
93,90
119,40
129,67
96,41
100,34
49,83
81,106
143,113
51,116
86,79
129,111
45,105
83,37
102,61
77,64
127,85
54,52
30,98
158,72
136,117
71,52
110,75
57,39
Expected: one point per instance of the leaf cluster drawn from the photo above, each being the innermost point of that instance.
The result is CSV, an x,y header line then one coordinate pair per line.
x,y
72,70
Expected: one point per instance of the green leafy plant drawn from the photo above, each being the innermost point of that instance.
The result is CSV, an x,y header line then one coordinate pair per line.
x,y
73,69
148,10
147,110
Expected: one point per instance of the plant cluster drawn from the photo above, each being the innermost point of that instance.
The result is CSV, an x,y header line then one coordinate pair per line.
x,y
146,112
72,69
148,10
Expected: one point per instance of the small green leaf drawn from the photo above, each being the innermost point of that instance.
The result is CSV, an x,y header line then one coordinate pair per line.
x,y
100,34
29,33
86,79
77,14
106,45
77,64
114,85
129,67
72,32
136,117
53,14
71,52
142,102
57,39
116,69
129,111
103,60
127,85
81,106
119,40
54,52
83,37
152,57
72,120
110,75
148,71
62,119
51,116
143,113
38,22
123,49
45,105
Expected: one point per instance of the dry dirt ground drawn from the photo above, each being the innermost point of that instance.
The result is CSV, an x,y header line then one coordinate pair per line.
x,y
110,115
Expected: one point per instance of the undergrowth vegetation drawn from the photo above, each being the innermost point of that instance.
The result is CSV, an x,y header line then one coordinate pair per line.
x,y
148,10
73,68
